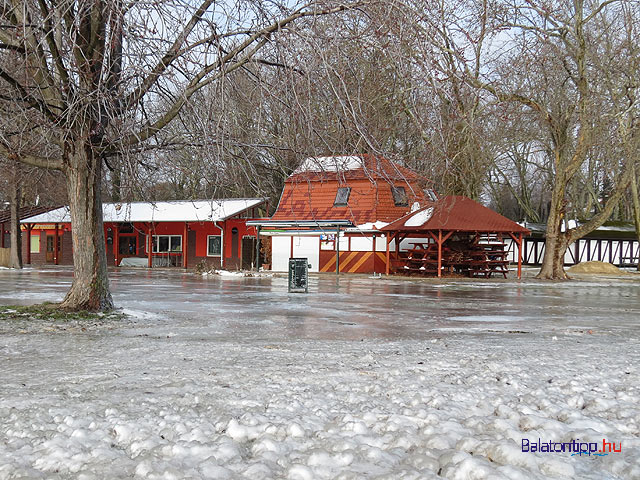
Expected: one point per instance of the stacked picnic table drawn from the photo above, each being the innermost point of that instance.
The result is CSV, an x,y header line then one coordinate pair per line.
x,y
483,256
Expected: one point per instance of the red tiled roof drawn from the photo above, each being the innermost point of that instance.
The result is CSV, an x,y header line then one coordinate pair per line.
x,y
368,201
455,213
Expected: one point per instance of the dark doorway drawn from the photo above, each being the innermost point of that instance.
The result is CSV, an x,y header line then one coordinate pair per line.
x,y
128,245
235,260
249,253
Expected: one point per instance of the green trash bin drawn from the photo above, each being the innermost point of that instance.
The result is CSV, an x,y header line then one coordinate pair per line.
x,y
298,275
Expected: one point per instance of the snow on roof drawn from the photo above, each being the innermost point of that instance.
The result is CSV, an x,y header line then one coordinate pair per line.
x,y
368,227
175,211
330,164
419,218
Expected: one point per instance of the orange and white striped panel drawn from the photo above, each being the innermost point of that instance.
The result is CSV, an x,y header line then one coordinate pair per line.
x,y
353,262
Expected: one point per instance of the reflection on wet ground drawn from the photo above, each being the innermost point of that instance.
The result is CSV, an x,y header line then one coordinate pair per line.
x,y
348,307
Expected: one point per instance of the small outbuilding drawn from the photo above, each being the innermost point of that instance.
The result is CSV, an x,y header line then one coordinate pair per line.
x,y
152,234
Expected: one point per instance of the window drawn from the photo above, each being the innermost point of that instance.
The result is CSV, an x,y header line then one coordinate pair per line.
x,y
35,243
342,197
400,196
167,243
214,245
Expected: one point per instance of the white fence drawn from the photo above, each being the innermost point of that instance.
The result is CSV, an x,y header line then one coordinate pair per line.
x,y
622,253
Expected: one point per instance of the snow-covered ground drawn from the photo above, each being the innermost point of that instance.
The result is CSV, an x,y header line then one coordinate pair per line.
x,y
232,377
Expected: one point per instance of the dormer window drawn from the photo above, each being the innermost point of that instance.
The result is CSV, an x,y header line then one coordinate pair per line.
x,y
400,196
342,197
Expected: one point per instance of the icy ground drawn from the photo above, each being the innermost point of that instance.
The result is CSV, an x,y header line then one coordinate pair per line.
x,y
227,377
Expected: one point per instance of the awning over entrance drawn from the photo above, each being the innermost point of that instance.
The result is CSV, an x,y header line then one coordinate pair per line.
x,y
293,227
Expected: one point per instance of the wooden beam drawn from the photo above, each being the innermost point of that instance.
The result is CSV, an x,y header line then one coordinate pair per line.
x,y
373,250
338,251
518,241
447,236
258,248
150,247
388,238
185,245
29,228
439,253
116,243
2,238
55,245
519,256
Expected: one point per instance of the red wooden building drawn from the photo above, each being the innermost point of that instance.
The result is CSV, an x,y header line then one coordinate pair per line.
x,y
331,210
177,233
355,214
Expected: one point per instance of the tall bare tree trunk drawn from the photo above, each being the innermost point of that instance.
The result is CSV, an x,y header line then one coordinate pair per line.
x,y
555,241
15,256
90,288
636,209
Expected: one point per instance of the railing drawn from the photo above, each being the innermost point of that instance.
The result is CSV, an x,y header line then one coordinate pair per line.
x,y
167,259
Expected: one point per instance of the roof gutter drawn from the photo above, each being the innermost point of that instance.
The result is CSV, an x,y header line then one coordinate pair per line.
x,y
215,222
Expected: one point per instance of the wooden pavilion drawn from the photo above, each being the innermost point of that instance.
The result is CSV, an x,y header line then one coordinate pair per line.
x,y
453,235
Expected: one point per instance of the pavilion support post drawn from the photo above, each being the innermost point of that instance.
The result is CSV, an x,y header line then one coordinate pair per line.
x,y
519,256
116,244
29,228
258,248
338,251
150,247
2,235
185,245
373,250
388,238
55,245
439,253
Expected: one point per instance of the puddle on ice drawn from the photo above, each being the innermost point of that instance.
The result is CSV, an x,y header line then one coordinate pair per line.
x,y
486,318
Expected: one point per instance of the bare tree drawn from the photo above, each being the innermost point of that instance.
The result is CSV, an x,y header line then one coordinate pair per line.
x,y
82,74
552,74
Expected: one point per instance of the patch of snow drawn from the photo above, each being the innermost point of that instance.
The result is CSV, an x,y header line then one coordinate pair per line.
x,y
419,218
236,273
377,225
330,164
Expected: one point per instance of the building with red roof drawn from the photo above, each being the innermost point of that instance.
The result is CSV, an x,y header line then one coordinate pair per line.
x,y
363,213
360,188
337,204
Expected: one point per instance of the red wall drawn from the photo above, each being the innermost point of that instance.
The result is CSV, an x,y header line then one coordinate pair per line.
x,y
196,241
